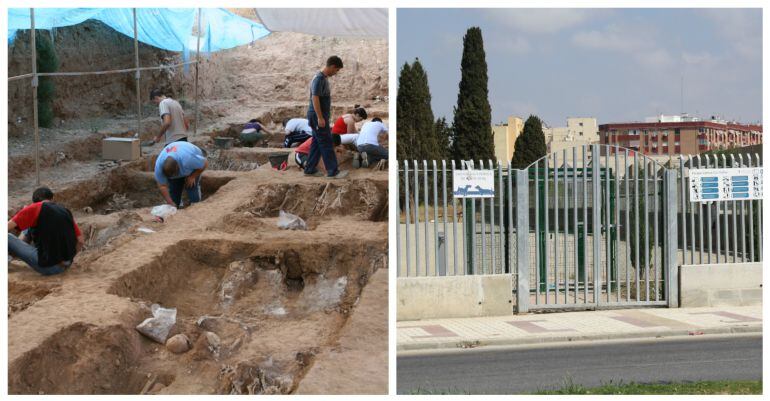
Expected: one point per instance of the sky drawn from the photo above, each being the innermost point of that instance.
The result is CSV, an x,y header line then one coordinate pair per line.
x,y
617,65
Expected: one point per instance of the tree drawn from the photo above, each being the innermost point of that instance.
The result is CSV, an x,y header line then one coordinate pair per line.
x,y
417,139
47,61
530,145
443,134
472,126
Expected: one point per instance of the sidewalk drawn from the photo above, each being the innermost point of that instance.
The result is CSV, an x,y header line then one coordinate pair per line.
x,y
576,326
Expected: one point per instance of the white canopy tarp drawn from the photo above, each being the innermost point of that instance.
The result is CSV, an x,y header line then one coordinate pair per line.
x,y
372,22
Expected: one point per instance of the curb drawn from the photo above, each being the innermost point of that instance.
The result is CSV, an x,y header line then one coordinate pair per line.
x,y
476,343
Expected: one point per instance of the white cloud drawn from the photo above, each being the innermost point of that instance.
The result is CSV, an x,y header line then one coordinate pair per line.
x,y
742,28
637,41
512,45
539,20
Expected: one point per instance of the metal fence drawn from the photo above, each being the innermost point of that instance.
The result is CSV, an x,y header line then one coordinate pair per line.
x,y
595,225
718,232
440,235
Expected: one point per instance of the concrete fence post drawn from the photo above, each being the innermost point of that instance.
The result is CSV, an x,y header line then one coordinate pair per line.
x,y
671,247
522,241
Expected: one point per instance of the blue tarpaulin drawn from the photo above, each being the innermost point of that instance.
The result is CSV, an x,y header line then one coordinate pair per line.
x,y
165,28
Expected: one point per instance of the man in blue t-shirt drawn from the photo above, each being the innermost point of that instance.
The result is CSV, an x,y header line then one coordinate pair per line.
x,y
318,116
179,167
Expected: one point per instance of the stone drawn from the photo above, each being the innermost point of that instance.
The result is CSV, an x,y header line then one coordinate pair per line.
x,y
178,344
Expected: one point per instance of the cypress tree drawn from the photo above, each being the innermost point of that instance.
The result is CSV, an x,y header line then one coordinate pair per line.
x,y
47,61
443,135
530,145
472,126
416,131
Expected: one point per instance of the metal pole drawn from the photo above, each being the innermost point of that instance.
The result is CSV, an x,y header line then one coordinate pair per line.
x,y
546,212
435,222
759,217
585,224
398,223
538,245
575,224
735,220
197,64
454,229
671,274
597,222
425,210
522,241
501,216
417,218
34,94
136,79
483,228
556,228
510,219
565,218
443,186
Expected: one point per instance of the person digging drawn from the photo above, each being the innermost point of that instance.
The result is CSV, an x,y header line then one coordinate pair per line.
x,y
178,168
50,238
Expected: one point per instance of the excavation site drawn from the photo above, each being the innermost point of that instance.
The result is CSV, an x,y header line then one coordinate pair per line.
x,y
275,282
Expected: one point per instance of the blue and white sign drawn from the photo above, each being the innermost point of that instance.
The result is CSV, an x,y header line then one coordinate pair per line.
x,y
473,184
725,184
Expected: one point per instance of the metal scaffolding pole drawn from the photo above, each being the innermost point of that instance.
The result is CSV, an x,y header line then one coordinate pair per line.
x,y
34,95
197,64
136,77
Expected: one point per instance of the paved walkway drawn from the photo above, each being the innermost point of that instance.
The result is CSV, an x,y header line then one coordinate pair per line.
x,y
576,326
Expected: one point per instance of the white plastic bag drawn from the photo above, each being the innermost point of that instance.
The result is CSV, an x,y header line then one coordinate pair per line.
x,y
159,325
162,212
289,221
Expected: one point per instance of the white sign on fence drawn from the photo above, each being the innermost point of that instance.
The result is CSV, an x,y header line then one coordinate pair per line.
x,y
723,184
473,184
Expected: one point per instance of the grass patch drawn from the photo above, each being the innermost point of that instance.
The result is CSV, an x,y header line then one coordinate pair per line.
x,y
699,388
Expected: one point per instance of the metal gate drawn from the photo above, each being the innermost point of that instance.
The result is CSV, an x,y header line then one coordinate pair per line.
x,y
583,228
597,230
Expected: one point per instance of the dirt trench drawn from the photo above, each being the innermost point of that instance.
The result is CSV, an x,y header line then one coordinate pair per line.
x,y
257,313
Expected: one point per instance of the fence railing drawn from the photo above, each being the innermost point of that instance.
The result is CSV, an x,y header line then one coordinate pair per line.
x,y
440,235
718,232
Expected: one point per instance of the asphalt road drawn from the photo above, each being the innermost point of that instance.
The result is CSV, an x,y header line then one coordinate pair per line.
x,y
526,370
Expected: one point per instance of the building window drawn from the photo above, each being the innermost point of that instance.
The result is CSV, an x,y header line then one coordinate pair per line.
x,y
676,131
580,133
581,124
676,143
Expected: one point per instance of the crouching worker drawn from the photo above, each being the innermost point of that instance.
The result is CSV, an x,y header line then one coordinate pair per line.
x,y
178,168
50,237
302,152
368,142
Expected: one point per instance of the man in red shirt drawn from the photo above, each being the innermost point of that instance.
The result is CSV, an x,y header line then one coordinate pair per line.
x,y
50,237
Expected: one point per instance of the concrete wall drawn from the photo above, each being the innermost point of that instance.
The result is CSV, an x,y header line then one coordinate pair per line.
x,y
737,284
454,296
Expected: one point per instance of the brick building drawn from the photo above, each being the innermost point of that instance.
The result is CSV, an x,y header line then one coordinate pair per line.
x,y
679,137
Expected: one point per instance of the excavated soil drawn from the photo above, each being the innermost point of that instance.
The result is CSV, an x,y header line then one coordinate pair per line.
x,y
259,304
254,288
